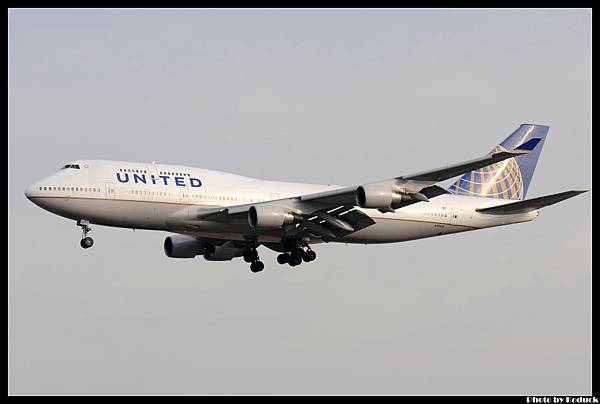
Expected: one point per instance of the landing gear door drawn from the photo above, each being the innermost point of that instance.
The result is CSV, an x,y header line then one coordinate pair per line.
x,y
109,190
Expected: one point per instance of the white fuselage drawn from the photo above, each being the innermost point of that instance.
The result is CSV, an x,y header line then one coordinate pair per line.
x,y
145,196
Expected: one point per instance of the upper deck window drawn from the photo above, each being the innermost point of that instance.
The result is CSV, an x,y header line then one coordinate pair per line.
x,y
76,166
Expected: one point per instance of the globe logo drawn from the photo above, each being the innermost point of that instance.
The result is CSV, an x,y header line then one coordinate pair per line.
x,y
502,180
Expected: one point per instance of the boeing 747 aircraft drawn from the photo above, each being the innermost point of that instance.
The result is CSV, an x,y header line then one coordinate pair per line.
x,y
222,216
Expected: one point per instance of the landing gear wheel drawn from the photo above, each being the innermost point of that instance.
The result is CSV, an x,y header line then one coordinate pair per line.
x,y
86,242
294,260
251,256
297,253
257,266
283,258
309,256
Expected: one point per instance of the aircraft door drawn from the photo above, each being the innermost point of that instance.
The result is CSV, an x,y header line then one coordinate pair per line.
x,y
109,190
184,195
156,187
455,214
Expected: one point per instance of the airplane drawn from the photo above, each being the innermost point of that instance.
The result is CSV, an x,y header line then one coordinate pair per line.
x,y
222,216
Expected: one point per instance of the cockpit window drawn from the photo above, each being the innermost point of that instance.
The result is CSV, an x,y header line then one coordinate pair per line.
x,y
71,166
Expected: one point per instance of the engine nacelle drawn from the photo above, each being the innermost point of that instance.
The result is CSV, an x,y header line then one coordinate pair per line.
x,y
270,217
181,246
225,252
378,196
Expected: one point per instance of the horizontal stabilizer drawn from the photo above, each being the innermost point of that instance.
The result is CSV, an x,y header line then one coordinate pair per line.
x,y
529,204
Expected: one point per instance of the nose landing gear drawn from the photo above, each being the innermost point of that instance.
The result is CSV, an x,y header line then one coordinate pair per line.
x,y
86,242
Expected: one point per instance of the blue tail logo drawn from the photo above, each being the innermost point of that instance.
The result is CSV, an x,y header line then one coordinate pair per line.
x,y
508,179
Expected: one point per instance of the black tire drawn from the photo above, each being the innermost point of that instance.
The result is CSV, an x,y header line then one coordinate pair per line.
x,y
309,256
257,266
283,258
251,256
305,256
295,261
86,242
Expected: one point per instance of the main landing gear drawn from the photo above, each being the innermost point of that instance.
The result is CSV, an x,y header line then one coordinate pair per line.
x,y
86,242
297,253
252,256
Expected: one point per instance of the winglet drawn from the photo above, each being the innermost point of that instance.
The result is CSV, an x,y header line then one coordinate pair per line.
x,y
528,145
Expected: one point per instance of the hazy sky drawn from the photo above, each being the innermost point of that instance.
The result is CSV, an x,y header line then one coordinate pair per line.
x,y
339,97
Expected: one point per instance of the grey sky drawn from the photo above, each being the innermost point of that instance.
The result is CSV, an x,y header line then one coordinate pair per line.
x,y
311,96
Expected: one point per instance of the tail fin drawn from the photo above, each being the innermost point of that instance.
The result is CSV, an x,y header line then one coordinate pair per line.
x,y
508,179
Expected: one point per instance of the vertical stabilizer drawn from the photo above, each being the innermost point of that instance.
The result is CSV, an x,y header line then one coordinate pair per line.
x,y
508,179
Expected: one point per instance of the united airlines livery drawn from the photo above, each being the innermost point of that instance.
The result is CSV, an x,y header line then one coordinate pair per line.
x,y
222,216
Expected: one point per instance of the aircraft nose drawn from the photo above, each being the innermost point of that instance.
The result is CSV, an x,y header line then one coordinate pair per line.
x,y
29,191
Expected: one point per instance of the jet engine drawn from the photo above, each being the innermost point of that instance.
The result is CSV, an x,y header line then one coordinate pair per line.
x,y
181,246
378,196
269,217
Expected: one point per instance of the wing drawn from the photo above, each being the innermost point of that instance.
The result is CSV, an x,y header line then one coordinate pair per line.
x,y
333,214
418,182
